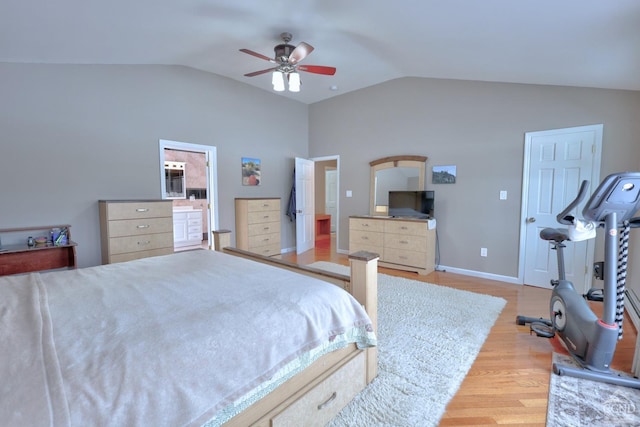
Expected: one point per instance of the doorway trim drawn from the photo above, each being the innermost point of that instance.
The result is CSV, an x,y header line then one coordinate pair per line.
x,y
337,159
212,174
597,158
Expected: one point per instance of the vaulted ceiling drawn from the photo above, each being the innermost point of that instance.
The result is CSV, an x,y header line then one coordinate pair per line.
x,y
590,43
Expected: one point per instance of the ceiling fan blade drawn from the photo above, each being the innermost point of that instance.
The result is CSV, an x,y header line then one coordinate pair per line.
x,y
257,73
300,52
258,55
317,69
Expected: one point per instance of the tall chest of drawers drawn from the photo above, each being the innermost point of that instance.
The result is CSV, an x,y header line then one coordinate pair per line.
x,y
258,225
403,244
132,229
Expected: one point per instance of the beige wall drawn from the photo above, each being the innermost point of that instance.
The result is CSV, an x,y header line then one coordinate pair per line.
x,y
77,134
74,134
480,128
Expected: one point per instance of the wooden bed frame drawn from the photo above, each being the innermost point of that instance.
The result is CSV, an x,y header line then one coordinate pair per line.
x,y
317,394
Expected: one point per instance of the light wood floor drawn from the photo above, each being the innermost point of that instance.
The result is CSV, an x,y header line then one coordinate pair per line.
x,y
508,383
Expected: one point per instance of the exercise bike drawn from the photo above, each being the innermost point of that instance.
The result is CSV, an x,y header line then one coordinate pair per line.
x,y
592,341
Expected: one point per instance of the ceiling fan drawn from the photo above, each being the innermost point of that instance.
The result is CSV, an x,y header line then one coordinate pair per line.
x,y
287,58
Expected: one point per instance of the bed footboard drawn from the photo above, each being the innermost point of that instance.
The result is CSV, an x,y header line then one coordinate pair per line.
x,y
317,394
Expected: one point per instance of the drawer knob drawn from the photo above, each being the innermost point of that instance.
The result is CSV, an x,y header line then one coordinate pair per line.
x,y
328,401
142,210
265,240
265,228
403,242
404,228
365,238
145,243
143,226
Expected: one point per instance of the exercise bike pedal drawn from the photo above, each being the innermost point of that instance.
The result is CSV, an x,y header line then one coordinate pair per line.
x,y
543,328
595,294
523,320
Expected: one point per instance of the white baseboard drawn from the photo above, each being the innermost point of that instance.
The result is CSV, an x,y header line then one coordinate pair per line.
x,y
490,276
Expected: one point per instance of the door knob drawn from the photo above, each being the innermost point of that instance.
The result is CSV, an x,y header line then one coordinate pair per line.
x,y
530,220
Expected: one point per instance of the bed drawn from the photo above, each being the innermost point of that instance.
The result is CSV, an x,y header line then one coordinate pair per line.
x,y
193,338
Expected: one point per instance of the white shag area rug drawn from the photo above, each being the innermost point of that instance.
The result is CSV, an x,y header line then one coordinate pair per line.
x,y
428,338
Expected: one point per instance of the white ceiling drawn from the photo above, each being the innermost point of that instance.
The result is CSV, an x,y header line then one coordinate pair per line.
x,y
591,43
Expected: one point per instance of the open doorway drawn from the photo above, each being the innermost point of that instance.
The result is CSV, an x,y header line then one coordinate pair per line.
x,y
326,201
194,194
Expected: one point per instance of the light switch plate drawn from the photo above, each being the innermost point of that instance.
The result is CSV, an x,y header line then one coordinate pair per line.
x,y
349,193
503,195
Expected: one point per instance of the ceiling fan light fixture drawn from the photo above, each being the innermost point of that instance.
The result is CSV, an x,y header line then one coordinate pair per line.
x,y
286,60
277,79
294,82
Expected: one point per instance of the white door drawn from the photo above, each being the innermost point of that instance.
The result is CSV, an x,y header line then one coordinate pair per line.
x,y
305,206
556,162
331,196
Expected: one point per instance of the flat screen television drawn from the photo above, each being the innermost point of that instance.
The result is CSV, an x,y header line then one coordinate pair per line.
x,y
416,204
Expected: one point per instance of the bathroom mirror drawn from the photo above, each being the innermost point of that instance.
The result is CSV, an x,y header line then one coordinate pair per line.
x,y
394,173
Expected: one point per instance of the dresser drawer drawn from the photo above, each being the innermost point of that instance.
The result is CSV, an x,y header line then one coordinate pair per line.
x,y
406,227
262,217
263,228
267,250
261,205
366,224
359,237
194,229
323,402
120,245
194,223
410,258
405,242
136,227
263,240
132,210
195,216
194,237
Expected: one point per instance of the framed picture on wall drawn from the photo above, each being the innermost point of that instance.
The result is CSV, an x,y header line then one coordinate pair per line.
x,y
444,175
251,174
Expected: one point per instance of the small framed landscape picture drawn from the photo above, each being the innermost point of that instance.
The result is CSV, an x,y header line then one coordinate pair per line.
x,y
251,174
444,175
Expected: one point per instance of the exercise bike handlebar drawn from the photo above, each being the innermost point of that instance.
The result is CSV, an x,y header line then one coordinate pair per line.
x,y
564,217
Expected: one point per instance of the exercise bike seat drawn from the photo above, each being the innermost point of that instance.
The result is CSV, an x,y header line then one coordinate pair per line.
x,y
554,234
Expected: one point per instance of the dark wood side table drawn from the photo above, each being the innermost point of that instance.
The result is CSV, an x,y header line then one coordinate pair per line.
x,y
21,258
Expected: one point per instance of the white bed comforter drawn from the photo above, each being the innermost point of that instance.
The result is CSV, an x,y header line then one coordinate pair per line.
x,y
170,340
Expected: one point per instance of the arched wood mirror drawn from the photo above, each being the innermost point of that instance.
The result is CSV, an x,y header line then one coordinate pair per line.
x,y
394,173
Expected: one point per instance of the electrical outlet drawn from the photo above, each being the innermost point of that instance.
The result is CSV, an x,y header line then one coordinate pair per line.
x,y
503,195
483,251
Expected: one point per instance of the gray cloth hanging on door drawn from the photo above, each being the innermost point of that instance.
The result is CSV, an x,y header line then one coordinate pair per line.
x,y
291,207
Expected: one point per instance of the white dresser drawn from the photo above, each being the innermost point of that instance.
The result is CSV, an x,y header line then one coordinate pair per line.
x,y
187,226
403,244
132,229
258,225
